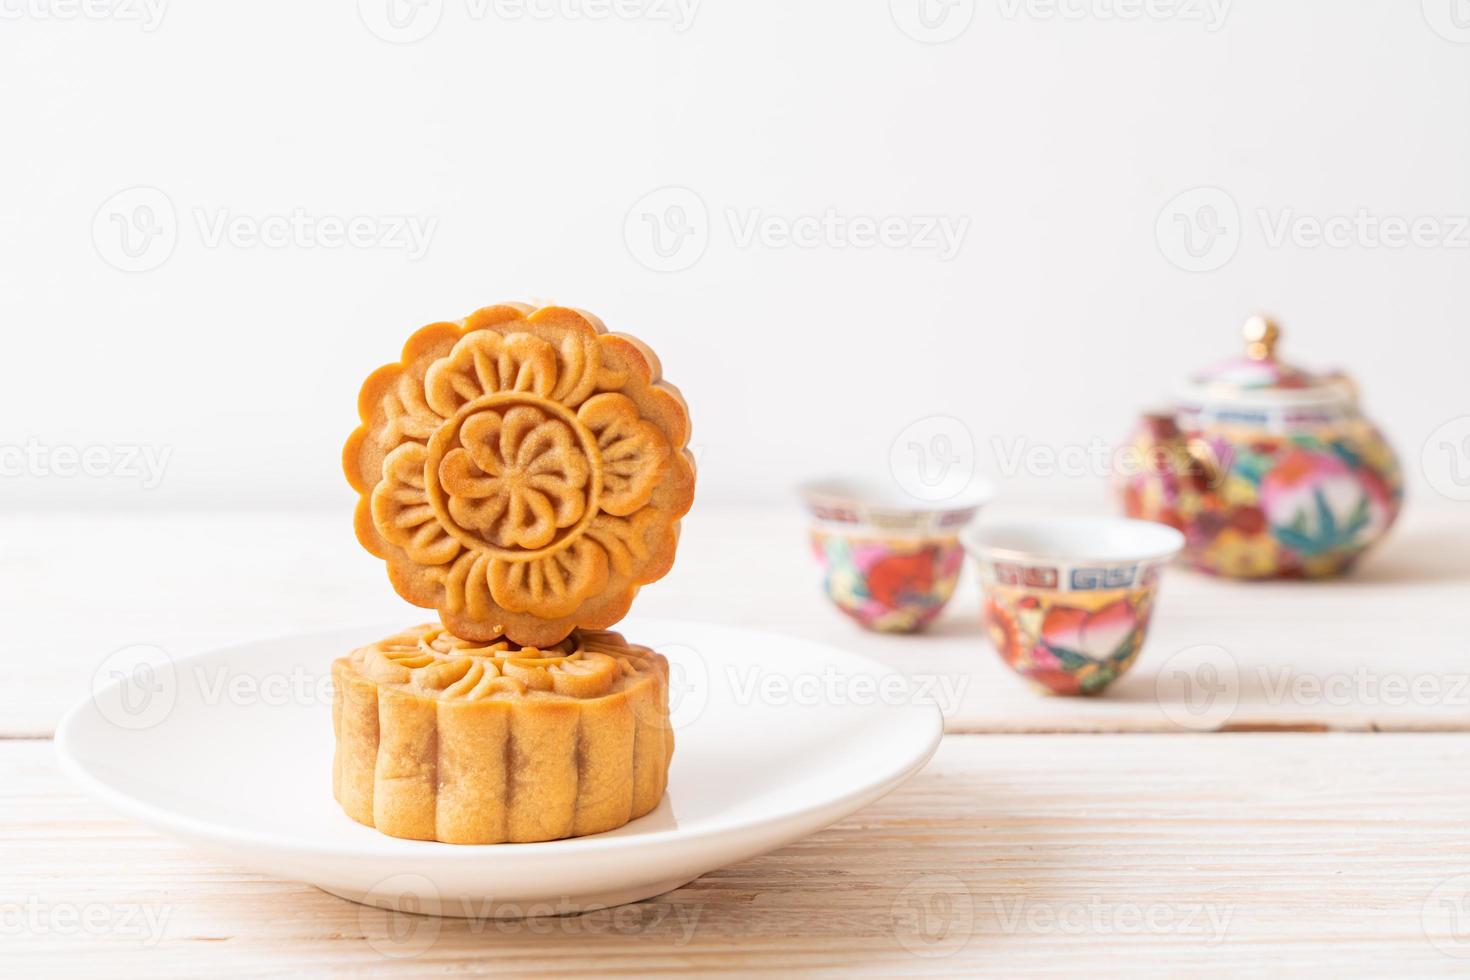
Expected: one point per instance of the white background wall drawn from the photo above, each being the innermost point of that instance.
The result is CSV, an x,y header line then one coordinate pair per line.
x,y
1059,138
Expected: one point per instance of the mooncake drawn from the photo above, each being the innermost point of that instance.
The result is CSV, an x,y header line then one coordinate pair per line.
x,y
446,739
522,471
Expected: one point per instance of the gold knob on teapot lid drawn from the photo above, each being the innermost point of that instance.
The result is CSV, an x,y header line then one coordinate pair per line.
x,y
1261,334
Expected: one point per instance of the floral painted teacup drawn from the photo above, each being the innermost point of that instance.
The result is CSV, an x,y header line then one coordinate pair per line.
x,y
889,563
1067,601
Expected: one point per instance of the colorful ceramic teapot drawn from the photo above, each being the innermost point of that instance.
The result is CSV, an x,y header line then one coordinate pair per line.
x,y
1269,470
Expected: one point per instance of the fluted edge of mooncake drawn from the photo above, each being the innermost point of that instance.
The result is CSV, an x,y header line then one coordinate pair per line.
x,y
439,739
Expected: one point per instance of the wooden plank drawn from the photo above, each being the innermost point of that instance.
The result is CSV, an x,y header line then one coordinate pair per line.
x,y
1158,855
1382,650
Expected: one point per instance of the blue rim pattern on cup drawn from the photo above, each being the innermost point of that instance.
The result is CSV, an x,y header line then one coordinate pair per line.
x,y
839,503
1070,555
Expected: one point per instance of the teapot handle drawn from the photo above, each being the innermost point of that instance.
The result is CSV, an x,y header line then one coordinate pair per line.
x,y
1191,464
1346,384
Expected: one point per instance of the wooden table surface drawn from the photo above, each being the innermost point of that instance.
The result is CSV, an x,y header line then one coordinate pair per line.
x,y
1278,786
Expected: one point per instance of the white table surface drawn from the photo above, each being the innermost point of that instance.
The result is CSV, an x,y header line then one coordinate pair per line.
x,y
1385,649
1314,819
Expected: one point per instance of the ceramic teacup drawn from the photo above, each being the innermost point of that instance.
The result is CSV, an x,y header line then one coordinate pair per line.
x,y
1067,601
890,561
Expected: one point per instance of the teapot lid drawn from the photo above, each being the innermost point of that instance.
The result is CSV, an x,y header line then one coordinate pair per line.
x,y
1259,377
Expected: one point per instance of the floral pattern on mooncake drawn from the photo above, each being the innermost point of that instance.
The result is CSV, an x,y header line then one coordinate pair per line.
x,y
521,471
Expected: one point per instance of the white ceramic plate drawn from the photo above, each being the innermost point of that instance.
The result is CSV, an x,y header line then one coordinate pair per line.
x,y
232,750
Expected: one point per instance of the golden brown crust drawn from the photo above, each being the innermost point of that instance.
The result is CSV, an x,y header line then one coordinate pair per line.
x,y
440,738
523,472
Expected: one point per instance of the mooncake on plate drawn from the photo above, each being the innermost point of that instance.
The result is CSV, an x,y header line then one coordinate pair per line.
x,y
465,742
